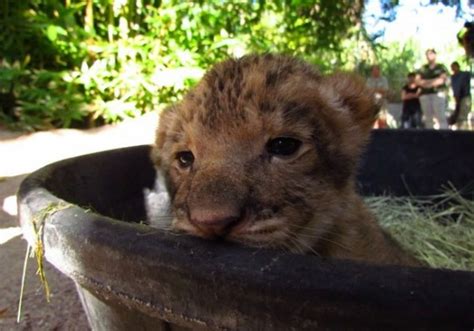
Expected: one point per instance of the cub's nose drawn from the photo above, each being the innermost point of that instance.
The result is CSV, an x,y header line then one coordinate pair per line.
x,y
214,223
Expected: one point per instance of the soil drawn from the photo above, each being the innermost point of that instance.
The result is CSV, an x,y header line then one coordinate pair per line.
x,y
22,154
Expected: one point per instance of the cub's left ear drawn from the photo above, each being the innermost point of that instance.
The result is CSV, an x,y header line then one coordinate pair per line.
x,y
354,96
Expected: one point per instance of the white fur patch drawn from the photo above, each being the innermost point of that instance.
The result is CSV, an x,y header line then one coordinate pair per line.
x,y
157,204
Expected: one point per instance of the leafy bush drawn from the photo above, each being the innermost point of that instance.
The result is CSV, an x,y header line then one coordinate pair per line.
x,y
85,62
39,98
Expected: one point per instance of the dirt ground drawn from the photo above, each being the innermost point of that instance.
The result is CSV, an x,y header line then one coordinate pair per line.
x,y
21,154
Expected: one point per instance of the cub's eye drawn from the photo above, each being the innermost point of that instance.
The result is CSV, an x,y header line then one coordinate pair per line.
x,y
185,159
283,146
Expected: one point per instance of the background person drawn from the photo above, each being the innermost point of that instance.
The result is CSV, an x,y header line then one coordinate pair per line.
x,y
432,79
411,110
461,86
379,85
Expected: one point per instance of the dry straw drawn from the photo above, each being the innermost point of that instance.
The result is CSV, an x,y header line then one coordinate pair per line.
x,y
438,229
37,248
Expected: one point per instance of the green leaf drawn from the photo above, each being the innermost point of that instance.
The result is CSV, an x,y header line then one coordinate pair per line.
x,y
53,31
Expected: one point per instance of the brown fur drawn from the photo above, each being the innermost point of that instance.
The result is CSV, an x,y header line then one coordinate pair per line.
x,y
236,189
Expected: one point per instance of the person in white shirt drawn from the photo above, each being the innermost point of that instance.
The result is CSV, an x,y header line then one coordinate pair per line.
x,y
378,84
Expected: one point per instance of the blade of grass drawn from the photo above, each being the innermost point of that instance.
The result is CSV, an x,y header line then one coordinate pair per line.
x,y
22,288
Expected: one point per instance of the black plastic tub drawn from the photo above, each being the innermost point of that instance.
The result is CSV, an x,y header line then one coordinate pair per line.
x,y
133,277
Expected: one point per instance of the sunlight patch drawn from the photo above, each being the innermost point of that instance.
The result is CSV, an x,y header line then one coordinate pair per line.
x,y
7,234
10,206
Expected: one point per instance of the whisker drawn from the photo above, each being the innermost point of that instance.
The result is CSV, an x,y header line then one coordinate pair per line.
x,y
312,230
335,243
323,237
285,246
294,246
301,246
306,245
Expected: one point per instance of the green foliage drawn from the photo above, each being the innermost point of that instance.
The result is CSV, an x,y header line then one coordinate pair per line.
x,y
40,98
95,61
44,31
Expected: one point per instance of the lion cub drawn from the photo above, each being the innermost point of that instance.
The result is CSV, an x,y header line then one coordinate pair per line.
x,y
264,151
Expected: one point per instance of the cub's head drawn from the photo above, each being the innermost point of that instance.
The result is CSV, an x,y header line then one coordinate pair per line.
x,y
263,151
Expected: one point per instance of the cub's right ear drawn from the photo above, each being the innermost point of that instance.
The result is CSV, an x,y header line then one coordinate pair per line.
x,y
165,124
356,97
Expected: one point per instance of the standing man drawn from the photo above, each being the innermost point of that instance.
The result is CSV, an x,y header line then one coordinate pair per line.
x,y
432,80
461,85
379,86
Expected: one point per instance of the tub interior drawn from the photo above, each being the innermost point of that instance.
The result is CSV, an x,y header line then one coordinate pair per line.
x,y
110,183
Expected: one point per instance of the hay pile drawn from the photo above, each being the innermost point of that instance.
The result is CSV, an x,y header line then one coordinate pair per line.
x,y
441,233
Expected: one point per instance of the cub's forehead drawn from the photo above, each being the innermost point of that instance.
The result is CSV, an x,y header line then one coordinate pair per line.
x,y
235,91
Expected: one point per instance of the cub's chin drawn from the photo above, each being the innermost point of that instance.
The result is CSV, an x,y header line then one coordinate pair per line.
x,y
269,233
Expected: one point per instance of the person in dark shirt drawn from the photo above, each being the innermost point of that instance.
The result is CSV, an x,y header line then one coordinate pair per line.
x,y
461,86
411,111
